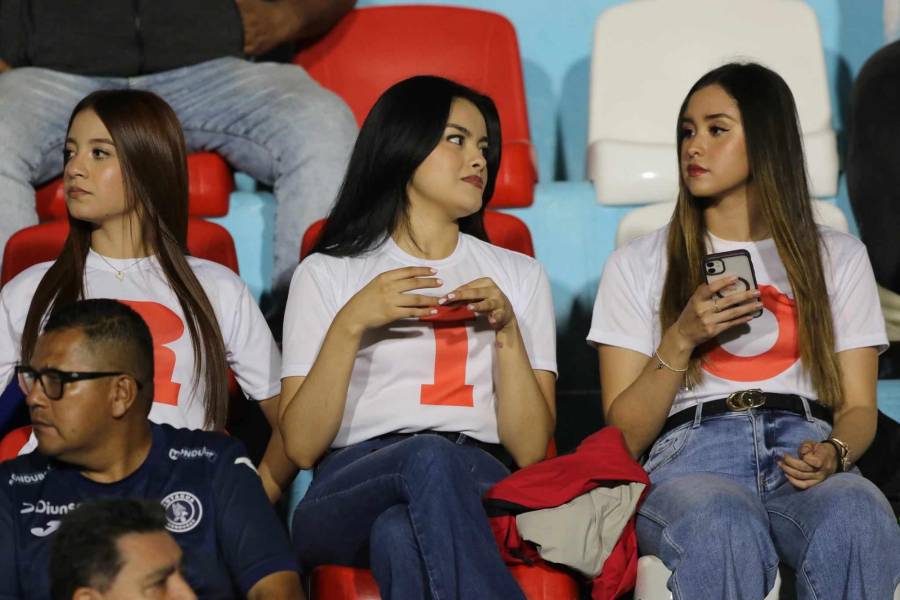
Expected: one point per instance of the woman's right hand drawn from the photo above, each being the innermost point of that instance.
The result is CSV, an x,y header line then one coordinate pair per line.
x,y
706,315
385,299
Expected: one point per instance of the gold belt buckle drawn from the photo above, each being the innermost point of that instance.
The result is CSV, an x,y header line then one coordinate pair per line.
x,y
745,400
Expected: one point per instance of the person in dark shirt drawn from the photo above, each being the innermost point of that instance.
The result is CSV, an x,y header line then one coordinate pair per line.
x,y
269,120
117,548
89,386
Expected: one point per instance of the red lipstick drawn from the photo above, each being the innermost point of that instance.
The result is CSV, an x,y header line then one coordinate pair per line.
x,y
696,170
475,180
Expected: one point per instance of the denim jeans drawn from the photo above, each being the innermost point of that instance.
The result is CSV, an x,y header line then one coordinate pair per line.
x,y
721,514
270,120
410,508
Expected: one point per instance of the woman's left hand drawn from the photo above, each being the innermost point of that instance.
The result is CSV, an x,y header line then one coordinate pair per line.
x,y
483,297
814,462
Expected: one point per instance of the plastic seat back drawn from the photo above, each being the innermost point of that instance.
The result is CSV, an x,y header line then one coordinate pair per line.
x,y
645,219
13,442
44,242
648,54
372,48
504,230
209,185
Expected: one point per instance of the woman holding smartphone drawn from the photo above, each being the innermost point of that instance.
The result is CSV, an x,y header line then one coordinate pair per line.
x,y
751,422
418,358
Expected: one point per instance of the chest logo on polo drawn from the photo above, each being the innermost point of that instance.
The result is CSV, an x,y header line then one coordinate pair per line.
x,y
776,329
42,507
51,527
183,511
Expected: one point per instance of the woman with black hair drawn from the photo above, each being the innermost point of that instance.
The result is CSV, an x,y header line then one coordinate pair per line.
x,y
416,354
126,190
753,404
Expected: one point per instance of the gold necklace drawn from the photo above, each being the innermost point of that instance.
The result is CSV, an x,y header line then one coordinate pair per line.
x,y
120,274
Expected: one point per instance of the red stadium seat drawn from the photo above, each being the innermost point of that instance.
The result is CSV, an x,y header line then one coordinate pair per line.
x,y
209,185
538,582
44,242
372,48
14,441
503,230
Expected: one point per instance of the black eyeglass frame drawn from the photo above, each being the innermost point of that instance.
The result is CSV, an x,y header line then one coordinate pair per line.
x,y
23,371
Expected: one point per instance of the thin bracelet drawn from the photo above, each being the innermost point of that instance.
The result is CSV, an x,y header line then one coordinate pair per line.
x,y
660,363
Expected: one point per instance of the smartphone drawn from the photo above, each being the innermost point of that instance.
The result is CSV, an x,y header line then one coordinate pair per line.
x,y
451,312
734,263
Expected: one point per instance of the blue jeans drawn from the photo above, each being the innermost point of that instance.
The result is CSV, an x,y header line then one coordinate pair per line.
x,y
270,120
721,514
410,508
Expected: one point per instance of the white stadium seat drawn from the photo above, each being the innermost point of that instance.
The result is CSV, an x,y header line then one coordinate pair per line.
x,y
648,53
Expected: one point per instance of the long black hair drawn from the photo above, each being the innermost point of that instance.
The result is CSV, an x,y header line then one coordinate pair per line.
x,y
401,130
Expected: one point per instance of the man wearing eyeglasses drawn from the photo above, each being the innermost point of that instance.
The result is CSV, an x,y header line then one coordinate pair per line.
x,y
89,387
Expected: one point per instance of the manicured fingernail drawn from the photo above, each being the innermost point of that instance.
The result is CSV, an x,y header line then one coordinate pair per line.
x,y
433,311
492,320
433,270
451,296
442,300
756,293
470,306
440,282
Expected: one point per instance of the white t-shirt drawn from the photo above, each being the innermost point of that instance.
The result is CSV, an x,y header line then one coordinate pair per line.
x,y
178,401
392,386
764,355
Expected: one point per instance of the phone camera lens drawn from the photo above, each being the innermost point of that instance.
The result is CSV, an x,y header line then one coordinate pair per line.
x,y
710,264
711,271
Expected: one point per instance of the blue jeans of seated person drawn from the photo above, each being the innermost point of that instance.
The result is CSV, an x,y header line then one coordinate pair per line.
x,y
721,515
270,120
410,508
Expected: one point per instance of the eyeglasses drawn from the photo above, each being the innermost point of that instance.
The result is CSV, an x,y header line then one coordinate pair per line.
x,y
53,381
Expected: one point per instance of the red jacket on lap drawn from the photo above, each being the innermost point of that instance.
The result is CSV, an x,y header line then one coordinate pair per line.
x,y
600,460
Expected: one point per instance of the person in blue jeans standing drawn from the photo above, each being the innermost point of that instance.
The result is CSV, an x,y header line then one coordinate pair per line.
x,y
419,359
270,120
754,401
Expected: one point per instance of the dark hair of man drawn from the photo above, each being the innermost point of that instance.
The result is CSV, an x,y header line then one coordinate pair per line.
x,y
112,329
778,184
84,552
401,130
152,156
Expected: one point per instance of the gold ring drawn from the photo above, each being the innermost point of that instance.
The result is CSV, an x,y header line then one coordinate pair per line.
x,y
715,306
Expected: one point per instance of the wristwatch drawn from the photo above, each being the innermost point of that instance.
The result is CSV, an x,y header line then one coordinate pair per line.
x,y
843,453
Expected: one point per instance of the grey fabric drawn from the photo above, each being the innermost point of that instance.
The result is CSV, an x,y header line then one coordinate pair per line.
x,y
890,306
582,533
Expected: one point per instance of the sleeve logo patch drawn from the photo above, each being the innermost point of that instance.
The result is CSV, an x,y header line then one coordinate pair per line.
x,y
188,453
183,511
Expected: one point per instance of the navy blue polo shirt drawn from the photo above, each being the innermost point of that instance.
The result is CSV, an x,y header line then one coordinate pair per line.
x,y
215,505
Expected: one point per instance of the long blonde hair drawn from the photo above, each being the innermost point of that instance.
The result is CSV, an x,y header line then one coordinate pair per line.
x,y
779,186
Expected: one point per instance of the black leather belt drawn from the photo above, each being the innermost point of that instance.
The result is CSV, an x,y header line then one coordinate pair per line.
x,y
745,400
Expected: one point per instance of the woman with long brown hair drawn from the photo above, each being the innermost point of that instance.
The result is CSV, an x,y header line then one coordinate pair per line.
x,y
126,190
754,401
